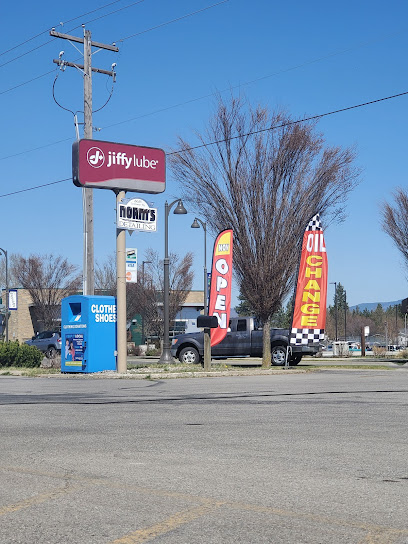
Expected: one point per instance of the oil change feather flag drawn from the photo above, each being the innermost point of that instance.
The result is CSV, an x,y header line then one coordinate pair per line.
x,y
220,289
309,316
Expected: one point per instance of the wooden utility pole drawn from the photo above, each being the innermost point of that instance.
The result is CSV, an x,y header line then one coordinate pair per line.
x,y
86,69
89,281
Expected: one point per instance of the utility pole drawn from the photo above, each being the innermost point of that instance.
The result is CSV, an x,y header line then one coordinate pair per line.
x,y
86,69
89,278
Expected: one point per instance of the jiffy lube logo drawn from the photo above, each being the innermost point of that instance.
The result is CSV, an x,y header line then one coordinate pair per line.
x,y
122,159
95,157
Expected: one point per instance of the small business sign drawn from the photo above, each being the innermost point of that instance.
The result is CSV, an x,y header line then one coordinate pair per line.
x,y
136,215
131,265
13,304
109,165
221,279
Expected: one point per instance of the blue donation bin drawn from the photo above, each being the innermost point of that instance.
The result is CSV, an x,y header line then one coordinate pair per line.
x,y
88,330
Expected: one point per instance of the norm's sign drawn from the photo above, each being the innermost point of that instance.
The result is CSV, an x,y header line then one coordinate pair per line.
x,y
108,165
135,214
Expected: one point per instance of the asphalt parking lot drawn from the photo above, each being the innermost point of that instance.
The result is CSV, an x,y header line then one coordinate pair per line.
x,y
290,457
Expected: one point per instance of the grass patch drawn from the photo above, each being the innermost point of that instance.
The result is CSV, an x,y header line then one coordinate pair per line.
x,y
348,367
31,372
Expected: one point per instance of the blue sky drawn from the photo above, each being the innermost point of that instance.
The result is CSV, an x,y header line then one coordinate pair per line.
x,y
309,58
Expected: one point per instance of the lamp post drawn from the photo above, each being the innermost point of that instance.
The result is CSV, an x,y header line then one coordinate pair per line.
x,y
345,315
7,291
143,284
196,225
179,210
335,304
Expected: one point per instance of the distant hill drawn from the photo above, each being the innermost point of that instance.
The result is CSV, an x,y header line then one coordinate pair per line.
x,y
373,305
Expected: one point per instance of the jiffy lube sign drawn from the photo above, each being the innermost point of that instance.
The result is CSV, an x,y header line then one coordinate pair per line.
x,y
108,165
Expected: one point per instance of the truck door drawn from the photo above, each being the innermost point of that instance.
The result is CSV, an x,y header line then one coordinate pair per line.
x,y
242,339
237,341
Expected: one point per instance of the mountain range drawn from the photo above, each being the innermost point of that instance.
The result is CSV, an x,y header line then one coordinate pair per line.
x,y
373,305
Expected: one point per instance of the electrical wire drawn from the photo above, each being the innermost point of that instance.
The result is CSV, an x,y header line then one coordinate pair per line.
x,y
55,100
36,187
121,40
60,24
289,123
172,21
72,29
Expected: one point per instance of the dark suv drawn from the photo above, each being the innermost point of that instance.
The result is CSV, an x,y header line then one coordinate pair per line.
x,y
47,341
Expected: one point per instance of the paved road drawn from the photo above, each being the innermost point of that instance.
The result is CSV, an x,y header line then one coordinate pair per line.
x,y
287,458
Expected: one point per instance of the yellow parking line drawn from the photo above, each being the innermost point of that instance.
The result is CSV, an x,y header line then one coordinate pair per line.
x,y
169,524
375,534
38,499
382,537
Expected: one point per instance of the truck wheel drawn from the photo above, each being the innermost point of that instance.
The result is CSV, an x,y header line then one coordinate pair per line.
x,y
189,355
295,360
278,355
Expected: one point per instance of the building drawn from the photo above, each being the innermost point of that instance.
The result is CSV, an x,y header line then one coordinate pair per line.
x,y
23,323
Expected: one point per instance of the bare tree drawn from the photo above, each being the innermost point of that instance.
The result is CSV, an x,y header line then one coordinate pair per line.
x,y
395,221
12,281
105,275
181,278
264,176
146,296
48,279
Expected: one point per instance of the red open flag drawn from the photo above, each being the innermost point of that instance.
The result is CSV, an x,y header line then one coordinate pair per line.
x,y
220,289
309,316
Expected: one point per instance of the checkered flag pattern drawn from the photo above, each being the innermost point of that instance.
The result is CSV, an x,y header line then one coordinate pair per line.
x,y
314,223
303,337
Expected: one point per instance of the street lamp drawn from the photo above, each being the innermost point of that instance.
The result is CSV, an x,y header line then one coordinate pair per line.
x,y
179,210
196,225
345,315
143,284
4,252
335,303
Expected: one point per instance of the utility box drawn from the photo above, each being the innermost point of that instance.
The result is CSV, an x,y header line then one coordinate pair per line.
x,y
341,349
88,330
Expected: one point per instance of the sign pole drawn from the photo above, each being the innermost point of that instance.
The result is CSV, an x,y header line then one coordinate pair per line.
x,y
121,293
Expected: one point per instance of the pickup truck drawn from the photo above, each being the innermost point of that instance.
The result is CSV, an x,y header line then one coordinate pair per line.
x,y
244,338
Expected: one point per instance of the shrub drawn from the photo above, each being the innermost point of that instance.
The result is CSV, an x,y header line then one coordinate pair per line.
x,y
379,351
132,349
8,352
12,354
28,356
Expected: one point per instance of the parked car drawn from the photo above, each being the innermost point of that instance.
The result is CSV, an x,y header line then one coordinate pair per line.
x,y
49,342
244,338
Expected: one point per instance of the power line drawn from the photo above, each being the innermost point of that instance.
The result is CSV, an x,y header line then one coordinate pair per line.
x,y
36,187
289,123
107,15
120,40
60,24
172,21
72,29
